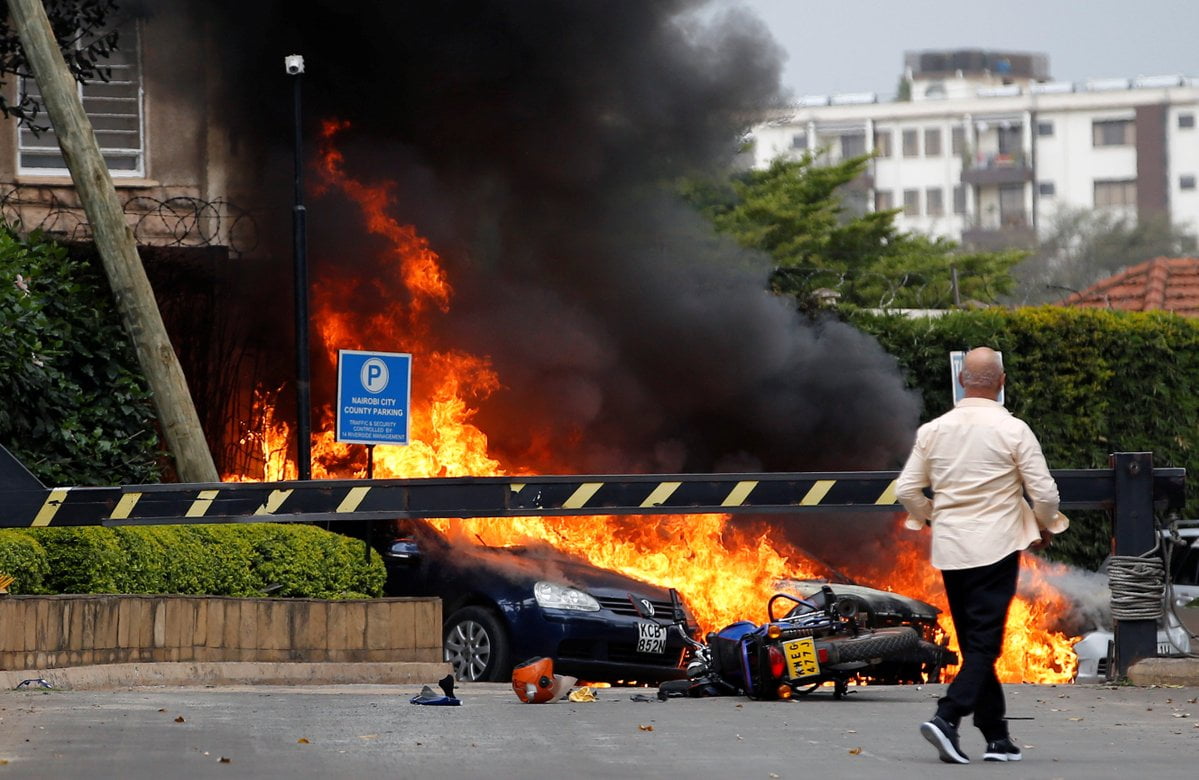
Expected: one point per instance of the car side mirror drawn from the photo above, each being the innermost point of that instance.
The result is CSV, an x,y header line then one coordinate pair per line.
x,y
405,552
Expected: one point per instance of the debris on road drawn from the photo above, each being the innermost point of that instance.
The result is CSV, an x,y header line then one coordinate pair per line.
x,y
430,698
583,694
36,681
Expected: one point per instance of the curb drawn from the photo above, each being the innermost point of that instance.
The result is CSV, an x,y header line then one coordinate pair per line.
x,y
1165,671
1149,671
110,676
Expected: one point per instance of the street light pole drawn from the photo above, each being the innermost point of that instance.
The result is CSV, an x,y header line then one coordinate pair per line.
x,y
294,65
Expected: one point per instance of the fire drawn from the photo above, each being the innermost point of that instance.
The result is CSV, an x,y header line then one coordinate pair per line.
x,y
726,574
1028,643
726,571
420,269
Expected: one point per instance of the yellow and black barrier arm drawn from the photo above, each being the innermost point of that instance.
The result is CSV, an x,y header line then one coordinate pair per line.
x,y
26,502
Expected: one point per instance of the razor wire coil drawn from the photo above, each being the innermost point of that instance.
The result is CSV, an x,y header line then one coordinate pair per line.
x,y
170,220
1138,584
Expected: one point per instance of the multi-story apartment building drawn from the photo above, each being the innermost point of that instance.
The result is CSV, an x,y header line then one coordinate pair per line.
x,y
987,148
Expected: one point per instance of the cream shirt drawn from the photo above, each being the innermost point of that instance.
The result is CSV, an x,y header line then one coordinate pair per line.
x,y
979,460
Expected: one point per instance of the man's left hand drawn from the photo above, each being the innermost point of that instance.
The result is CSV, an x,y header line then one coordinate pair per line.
x,y
1044,542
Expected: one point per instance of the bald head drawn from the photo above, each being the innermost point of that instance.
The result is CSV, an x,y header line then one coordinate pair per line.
x,y
982,373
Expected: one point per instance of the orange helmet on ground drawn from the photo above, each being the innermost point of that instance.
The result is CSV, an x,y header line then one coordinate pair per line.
x,y
533,680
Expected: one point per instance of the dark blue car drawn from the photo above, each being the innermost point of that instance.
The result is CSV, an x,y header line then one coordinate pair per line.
x,y
502,606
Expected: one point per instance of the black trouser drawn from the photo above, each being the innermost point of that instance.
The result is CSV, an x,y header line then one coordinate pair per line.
x,y
978,601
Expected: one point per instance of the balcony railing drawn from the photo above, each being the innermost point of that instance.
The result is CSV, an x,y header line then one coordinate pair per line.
x,y
985,168
999,231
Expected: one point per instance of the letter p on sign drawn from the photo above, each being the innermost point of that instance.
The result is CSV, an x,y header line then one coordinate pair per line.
x,y
374,375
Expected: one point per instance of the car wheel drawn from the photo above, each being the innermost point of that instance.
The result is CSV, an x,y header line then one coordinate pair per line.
x,y
476,645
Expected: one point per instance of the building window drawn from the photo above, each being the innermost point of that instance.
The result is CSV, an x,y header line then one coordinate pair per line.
x,y
1186,121
1011,206
853,145
911,202
115,110
1044,128
934,202
1046,189
1011,140
957,141
1120,192
1186,181
932,142
855,202
911,143
959,200
883,200
1119,132
882,143
799,141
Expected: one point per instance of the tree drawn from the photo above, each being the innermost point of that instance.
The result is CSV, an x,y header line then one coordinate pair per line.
x,y
82,30
1083,246
74,407
796,212
114,241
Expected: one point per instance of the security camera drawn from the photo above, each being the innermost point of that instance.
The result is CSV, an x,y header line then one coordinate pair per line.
x,y
294,64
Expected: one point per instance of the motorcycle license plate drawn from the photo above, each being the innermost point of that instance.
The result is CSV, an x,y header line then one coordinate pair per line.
x,y
651,638
801,658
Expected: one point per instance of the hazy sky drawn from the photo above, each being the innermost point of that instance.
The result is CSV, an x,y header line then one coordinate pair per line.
x,y
858,45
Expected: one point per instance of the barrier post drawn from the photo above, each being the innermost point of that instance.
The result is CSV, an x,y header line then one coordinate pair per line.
x,y
1134,534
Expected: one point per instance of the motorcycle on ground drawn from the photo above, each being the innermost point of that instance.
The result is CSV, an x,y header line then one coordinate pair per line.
x,y
816,640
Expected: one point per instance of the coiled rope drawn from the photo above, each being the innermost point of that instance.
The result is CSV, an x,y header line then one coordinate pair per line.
x,y
1138,584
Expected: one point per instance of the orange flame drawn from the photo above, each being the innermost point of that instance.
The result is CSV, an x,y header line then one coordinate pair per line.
x,y
420,269
1034,652
727,572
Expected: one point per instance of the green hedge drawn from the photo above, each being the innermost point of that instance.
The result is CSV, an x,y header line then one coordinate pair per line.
x,y
219,560
24,558
1089,382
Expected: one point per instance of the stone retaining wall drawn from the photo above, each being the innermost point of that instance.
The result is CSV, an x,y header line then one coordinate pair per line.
x,y
38,632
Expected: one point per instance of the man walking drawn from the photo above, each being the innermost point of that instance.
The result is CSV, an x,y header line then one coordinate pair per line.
x,y
979,461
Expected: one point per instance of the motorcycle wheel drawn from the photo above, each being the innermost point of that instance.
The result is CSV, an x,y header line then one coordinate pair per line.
x,y
933,659
879,643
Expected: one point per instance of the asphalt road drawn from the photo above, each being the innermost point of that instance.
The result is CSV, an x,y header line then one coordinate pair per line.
x,y
1090,732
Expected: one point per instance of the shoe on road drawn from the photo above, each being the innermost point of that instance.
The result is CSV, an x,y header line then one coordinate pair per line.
x,y
1002,750
944,738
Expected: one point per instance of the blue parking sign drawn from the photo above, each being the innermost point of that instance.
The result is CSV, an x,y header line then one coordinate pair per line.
x,y
956,359
373,394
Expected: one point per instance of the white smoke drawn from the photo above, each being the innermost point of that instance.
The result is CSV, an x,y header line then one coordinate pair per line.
x,y
1089,593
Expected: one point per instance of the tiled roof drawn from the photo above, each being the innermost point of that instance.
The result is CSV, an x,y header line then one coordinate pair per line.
x,y
1169,284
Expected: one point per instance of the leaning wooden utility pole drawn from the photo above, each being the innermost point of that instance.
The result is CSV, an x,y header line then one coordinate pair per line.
x,y
114,240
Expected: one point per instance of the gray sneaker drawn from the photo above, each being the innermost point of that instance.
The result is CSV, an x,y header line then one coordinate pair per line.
x,y
944,738
1002,750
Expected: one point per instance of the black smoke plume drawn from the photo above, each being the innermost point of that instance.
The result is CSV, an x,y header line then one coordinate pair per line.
x,y
532,142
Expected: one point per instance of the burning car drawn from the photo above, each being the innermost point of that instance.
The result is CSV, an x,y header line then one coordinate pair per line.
x,y
883,609
504,605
